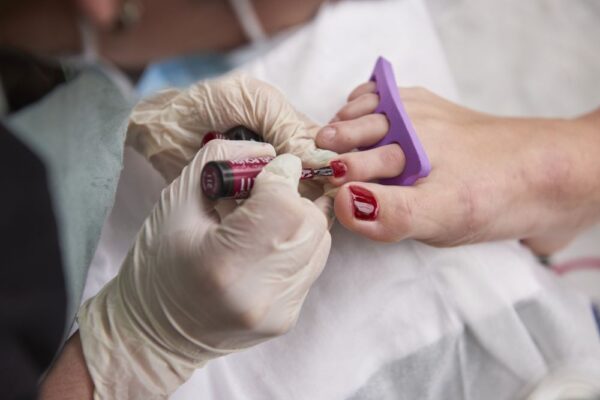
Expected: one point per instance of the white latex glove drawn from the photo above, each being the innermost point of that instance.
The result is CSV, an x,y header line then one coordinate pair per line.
x,y
193,288
168,128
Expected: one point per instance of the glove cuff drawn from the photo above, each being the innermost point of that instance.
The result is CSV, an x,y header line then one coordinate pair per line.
x,y
124,362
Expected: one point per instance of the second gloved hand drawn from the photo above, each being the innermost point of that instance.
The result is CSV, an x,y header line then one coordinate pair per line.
x,y
168,128
194,287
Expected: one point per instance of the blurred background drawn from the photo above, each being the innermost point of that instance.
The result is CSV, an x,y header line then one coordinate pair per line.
x,y
519,57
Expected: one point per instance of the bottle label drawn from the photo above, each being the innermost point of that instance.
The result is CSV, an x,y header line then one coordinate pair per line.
x,y
244,174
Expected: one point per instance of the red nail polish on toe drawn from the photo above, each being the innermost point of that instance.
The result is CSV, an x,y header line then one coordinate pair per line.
x,y
365,204
339,168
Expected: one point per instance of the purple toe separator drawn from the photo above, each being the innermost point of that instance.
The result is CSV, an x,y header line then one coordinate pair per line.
x,y
401,129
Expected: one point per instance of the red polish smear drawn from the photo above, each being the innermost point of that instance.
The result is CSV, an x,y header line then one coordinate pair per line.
x,y
365,204
339,168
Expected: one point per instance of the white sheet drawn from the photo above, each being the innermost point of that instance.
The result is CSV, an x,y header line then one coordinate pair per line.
x,y
378,309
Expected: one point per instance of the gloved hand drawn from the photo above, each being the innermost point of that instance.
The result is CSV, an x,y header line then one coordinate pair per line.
x,y
168,128
193,287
